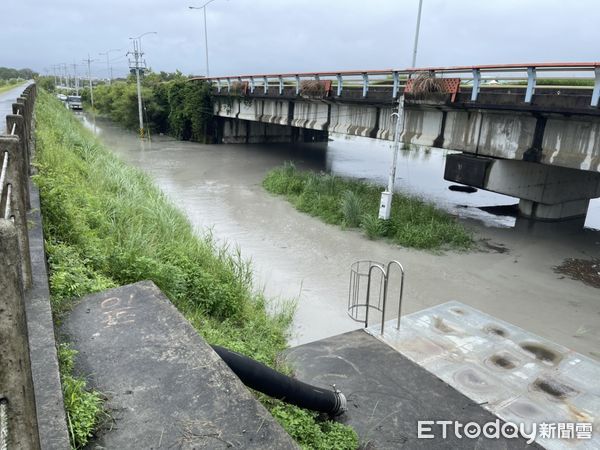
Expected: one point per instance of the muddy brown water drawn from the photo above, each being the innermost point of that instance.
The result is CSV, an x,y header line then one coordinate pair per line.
x,y
297,256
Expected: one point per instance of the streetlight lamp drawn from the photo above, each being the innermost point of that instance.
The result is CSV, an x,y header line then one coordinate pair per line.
x,y
137,55
108,71
203,7
139,38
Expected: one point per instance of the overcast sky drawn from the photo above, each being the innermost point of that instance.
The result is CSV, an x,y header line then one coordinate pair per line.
x,y
271,36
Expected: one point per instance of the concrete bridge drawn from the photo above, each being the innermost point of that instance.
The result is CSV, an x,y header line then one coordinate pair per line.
x,y
531,131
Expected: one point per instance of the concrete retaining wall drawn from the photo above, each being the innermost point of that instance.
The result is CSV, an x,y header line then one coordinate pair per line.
x,y
30,389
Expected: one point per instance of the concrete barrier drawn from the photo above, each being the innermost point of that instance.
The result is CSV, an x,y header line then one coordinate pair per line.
x,y
31,401
18,420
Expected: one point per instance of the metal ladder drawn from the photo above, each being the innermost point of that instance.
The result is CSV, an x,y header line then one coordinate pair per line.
x,y
361,271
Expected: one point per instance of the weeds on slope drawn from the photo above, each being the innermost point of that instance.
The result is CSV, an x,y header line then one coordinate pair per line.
x,y
107,225
352,204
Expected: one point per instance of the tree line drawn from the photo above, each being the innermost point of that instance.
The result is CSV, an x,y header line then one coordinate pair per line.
x,y
172,104
7,73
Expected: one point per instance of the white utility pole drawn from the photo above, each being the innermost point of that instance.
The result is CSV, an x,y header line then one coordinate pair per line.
x,y
89,62
138,64
385,205
75,78
203,8
108,69
414,58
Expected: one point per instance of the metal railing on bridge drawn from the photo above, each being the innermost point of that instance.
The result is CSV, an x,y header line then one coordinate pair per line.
x,y
528,77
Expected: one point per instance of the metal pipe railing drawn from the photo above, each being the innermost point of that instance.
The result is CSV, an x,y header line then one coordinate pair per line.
x,y
477,76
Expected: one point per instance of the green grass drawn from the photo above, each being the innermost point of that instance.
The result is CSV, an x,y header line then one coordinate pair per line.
x,y
83,408
8,87
106,224
413,222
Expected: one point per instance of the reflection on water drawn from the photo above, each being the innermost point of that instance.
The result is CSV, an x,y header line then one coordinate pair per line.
x,y
419,172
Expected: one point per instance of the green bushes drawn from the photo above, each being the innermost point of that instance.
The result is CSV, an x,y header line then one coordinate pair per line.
x,y
413,223
106,225
172,105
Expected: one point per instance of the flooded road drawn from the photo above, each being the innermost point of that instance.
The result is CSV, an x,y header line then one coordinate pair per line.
x,y
296,256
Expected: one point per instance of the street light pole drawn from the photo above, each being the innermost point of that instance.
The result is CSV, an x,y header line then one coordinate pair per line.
x,y
108,71
414,58
203,7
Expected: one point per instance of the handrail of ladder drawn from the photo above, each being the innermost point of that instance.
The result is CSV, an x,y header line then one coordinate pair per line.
x,y
384,273
401,288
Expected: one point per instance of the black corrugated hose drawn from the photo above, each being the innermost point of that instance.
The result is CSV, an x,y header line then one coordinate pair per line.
x,y
257,376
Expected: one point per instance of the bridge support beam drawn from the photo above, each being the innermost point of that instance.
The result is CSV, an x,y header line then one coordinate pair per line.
x,y
546,192
236,131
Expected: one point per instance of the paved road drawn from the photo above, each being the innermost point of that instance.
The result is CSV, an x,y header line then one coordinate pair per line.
x,y
6,100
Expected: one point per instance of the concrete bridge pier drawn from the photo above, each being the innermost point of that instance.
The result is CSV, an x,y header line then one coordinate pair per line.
x,y
548,193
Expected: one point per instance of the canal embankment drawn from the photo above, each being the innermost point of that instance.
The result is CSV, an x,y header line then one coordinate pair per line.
x,y
106,224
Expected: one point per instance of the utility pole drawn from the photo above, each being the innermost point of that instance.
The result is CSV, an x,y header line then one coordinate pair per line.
x,y
138,64
108,68
385,205
75,78
54,72
414,58
89,62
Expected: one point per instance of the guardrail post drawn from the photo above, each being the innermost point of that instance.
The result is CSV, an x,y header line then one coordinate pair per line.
x,y
531,76
297,85
280,85
16,386
340,84
396,77
16,179
19,110
596,91
476,84
365,84
266,84
252,85
15,125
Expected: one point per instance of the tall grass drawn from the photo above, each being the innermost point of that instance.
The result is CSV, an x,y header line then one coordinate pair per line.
x,y
413,222
106,225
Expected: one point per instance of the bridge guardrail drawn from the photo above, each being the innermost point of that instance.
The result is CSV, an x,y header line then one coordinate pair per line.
x,y
18,417
473,78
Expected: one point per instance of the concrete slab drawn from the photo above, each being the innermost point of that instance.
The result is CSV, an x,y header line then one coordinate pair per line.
x,y
518,376
388,394
166,387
